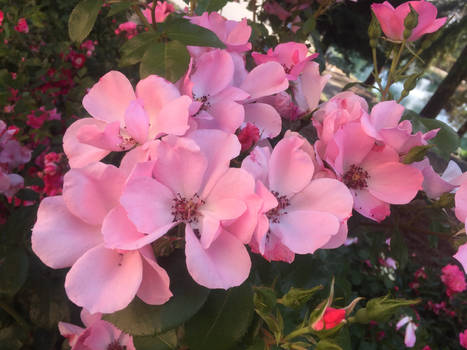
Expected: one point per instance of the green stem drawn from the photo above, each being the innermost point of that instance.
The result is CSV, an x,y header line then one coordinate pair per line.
x,y
143,19
409,62
375,65
297,333
153,15
192,7
13,313
394,64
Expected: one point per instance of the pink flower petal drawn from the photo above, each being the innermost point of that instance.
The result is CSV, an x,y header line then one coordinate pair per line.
x,y
266,79
172,119
154,288
304,231
339,238
461,256
290,168
90,192
394,183
137,122
384,115
108,139
109,98
79,154
214,72
370,206
265,117
180,166
326,195
60,238
148,205
103,280
461,201
224,264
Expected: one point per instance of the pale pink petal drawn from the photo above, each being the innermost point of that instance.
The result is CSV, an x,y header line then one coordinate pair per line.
x,y
394,183
391,24
370,206
290,168
138,154
70,331
305,231
88,318
257,164
172,118
120,233
461,256
351,145
90,192
219,148
326,195
80,154
224,264
243,227
264,80
60,238
410,337
214,72
109,98
384,115
311,84
154,288
108,139
226,115
148,205
339,238
155,92
379,155
180,165
452,173
137,122
104,280
461,202
402,322
264,117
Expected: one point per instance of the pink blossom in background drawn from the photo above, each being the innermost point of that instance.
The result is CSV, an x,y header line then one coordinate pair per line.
x,y
162,11
410,338
129,28
292,56
463,339
434,184
274,8
461,213
89,46
1,17
233,34
77,59
22,26
98,334
392,19
373,173
454,280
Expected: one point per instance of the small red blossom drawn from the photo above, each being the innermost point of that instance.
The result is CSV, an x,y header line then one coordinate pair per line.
x,y
22,26
454,280
248,136
463,339
331,318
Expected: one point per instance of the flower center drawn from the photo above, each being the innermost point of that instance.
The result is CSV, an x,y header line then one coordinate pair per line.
x,y
186,210
204,103
356,177
115,345
275,213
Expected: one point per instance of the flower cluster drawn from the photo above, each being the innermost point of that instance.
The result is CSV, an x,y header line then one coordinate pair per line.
x,y
208,160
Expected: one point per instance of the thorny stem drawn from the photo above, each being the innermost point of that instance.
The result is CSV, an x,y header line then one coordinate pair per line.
x,y
297,333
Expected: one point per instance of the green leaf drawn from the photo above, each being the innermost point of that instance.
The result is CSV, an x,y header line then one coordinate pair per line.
x,y
265,298
297,297
416,154
14,265
82,19
139,318
327,345
118,7
169,60
209,6
222,321
133,50
166,341
399,249
192,34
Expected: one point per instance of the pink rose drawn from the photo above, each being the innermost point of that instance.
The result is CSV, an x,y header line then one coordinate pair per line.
x,y
463,339
22,26
392,19
454,280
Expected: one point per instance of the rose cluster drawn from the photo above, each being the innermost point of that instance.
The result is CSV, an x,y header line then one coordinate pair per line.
x,y
209,161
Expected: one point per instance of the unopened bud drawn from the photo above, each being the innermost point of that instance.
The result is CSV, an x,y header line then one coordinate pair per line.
x,y
374,30
430,39
410,22
381,309
410,84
